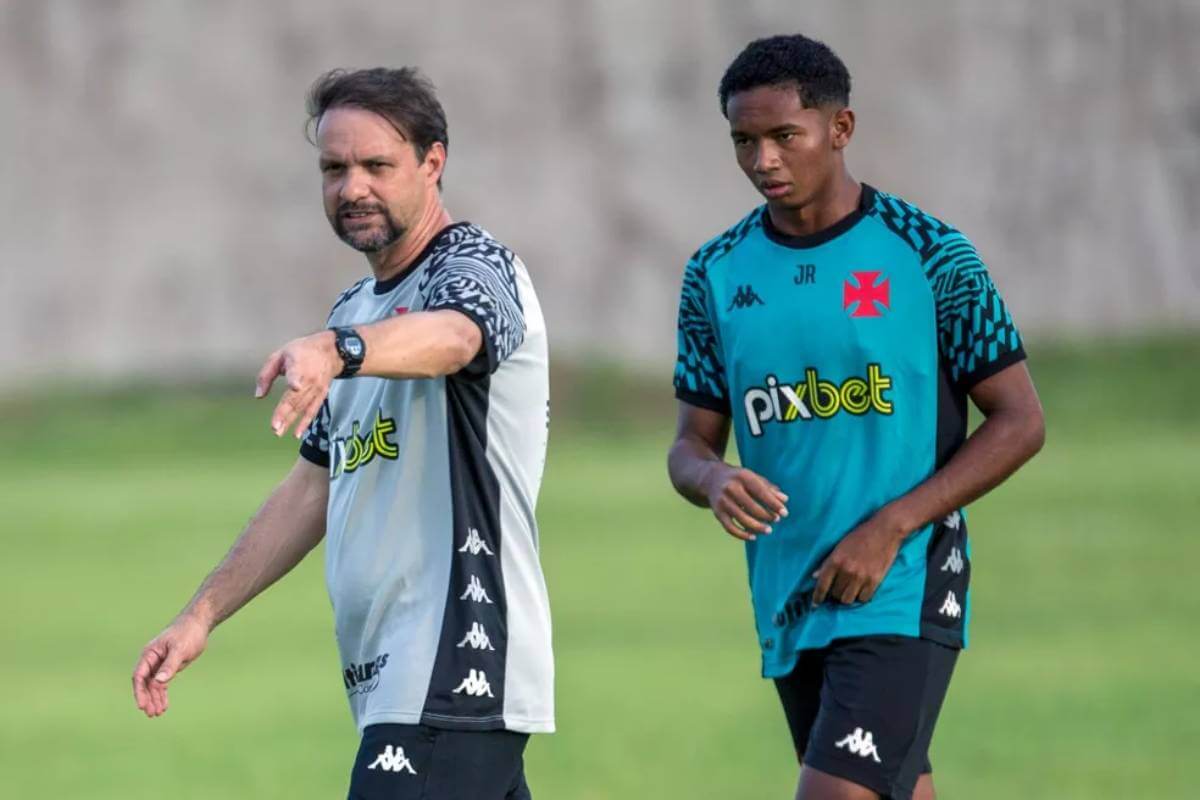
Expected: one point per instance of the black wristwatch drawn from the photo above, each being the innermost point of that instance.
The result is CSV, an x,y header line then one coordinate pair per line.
x,y
351,349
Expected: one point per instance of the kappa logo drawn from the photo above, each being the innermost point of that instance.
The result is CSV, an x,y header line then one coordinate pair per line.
x,y
860,743
780,401
363,678
950,607
744,297
475,684
475,544
953,520
954,562
867,297
476,592
476,638
393,760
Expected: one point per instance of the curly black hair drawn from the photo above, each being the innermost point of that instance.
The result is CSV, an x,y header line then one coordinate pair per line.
x,y
811,66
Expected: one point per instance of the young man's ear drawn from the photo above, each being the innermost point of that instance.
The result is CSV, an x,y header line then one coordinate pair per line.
x,y
841,127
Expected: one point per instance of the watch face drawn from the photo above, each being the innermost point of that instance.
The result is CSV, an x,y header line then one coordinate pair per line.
x,y
354,346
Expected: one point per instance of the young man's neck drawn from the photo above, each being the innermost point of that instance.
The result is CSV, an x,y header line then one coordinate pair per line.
x,y
828,207
393,260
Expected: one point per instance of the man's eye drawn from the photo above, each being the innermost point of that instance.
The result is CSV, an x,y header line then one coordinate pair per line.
x,y
329,168
786,136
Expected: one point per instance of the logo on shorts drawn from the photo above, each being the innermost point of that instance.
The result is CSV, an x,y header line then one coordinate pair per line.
x,y
475,684
950,607
393,760
954,562
953,520
363,678
860,744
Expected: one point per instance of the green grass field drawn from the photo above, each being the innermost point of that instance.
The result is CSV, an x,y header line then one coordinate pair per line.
x,y
1081,682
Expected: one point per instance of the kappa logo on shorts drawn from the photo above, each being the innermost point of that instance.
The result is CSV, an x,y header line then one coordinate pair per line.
x,y
953,520
393,760
860,743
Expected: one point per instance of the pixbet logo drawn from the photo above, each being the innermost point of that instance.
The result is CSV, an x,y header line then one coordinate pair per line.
x,y
866,297
814,398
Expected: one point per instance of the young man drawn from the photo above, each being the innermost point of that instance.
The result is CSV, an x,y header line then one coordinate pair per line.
x,y
841,331
423,414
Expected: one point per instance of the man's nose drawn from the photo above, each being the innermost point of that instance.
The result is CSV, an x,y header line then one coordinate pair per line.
x,y
354,187
766,158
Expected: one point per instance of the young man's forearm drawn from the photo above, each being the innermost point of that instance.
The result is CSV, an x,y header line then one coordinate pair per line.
x,y
290,524
691,463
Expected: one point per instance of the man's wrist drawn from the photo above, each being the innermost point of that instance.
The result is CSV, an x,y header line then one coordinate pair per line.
x,y
896,520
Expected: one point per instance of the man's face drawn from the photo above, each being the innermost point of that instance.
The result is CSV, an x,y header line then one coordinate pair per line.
x,y
374,186
788,152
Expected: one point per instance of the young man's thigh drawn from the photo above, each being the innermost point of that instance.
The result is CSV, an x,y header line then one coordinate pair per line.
x,y
872,719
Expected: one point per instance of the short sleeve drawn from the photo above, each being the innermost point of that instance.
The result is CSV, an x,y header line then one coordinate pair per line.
x,y
976,334
699,368
480,280
315,444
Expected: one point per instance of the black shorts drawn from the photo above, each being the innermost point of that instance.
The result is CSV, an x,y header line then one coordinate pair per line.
x,y
864,708
416,762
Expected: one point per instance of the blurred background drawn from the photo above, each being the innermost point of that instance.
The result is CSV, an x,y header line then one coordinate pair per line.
x,y
161,232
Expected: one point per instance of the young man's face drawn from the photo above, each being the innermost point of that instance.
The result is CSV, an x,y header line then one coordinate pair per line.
x,y
374,186
788,152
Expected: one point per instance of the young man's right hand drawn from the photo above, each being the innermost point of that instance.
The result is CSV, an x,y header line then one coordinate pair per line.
x,y
163,658
745,503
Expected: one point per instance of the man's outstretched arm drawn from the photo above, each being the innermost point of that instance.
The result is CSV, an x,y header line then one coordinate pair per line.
x,y
1013,430
746,504
290,524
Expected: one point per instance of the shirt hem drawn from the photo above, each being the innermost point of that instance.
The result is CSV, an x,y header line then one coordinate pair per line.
x,y
515,724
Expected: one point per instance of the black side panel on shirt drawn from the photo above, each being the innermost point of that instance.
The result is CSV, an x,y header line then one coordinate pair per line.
x,y
466,690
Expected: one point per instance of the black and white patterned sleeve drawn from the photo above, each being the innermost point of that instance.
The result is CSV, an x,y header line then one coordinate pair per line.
x,y
479,278
315,444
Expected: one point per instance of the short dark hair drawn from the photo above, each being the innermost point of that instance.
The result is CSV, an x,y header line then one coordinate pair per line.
x,y
404,97
811,66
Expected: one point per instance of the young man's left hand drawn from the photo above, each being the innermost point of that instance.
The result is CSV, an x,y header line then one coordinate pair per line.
x,y
856,567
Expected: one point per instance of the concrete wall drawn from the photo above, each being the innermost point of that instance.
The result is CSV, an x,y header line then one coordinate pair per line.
x,y
160,206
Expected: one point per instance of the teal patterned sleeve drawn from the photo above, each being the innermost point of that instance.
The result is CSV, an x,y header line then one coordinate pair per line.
x,y
976,334
699,369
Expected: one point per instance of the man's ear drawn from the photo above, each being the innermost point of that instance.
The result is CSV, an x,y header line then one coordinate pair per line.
x,y
841,128
435,162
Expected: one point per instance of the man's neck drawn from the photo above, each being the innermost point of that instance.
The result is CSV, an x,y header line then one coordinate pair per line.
x,y
837,201
392,260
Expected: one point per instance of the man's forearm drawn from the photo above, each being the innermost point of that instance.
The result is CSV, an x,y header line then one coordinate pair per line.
x,y
993,452
690,464
290,524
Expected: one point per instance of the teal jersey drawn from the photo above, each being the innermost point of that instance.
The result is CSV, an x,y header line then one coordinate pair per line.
x,y
844,359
